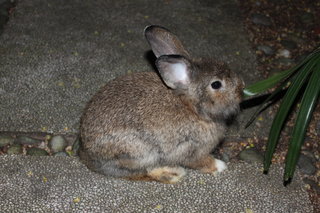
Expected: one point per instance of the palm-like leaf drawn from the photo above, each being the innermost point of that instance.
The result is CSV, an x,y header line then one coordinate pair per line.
x,y
308,104
284,109
268,83
294,79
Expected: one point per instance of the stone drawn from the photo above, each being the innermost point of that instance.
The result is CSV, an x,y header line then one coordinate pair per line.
x,y
251,155
61,154
36,152
57,143
26,140
310,155
261,19
225,157
5,140
295,38
289,44
305,165
312,184
15,149
266,49
307,18
284,53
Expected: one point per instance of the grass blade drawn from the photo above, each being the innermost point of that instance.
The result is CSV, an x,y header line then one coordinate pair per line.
x,y
308,103
284,109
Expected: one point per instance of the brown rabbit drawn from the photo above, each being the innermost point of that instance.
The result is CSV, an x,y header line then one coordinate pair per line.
x,y
144,127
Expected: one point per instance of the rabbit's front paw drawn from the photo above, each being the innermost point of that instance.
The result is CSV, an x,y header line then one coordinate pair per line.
x,y
167,174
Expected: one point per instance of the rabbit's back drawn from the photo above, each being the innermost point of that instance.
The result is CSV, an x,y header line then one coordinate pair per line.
x,y
133,101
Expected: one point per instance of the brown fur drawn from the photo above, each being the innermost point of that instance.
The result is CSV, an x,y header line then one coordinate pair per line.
x,y
205,164
142,177
140,126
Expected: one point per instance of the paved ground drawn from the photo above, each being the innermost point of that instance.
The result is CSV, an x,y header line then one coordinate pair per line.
x,y
53,184
55,54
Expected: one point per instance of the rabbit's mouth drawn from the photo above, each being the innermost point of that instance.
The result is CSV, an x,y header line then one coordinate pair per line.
x,y
214,112
231,112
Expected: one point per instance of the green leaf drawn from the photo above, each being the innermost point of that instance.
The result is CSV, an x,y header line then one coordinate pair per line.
x,y
270,82
262,106
276,92
285,106
308,103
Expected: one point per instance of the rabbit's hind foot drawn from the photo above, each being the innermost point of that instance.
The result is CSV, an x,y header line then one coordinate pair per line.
x,y
167,174
208,164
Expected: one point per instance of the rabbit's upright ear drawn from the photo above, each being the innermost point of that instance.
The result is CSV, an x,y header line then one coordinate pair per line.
x,y
163,42
175,71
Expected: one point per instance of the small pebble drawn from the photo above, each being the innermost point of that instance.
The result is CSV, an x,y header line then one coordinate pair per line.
x,y
63,154
37,152
5,140
251,156
305,165
57,143
15,149
266,49
26,140
284,53
261,19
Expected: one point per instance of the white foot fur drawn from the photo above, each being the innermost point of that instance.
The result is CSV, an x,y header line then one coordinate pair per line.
x,y
220,165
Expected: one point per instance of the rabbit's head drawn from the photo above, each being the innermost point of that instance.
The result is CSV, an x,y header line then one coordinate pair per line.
x,y
206,86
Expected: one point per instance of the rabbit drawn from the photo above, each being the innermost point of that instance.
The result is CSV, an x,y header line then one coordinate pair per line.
x,y
151,126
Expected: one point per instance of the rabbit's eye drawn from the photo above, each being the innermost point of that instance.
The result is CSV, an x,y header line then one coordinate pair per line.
x,y
216,85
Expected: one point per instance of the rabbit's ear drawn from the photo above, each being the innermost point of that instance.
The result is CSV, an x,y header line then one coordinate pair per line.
x,y
163,42
174,70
